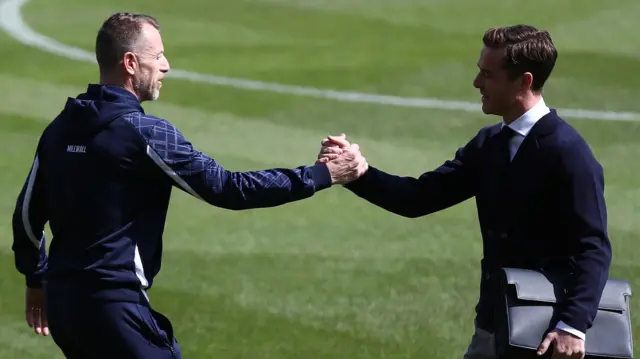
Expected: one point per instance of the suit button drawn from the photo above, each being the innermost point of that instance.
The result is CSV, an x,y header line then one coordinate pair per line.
x,y
503,235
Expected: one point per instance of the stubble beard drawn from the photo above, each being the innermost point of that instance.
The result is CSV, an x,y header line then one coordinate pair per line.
x,y
147,90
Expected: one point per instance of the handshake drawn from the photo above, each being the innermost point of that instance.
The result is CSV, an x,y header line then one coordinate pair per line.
x,y
344,160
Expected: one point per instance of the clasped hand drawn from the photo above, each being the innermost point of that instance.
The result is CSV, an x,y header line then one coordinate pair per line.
x,y
344,160
565,345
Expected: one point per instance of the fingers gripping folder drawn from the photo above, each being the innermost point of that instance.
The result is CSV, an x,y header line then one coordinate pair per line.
x,y
526,309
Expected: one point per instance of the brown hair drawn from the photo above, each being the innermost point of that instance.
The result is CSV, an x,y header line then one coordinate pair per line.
x,y
526,49
118,35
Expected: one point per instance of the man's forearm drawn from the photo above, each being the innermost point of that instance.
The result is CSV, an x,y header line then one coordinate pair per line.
x,y
259,189
203,177
399,195
588,242
585,290
447,185
29,218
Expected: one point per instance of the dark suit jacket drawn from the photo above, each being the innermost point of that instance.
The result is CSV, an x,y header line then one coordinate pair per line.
x,y
545,209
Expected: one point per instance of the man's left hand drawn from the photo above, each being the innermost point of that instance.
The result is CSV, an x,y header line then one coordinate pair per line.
x,y
36,310
565,345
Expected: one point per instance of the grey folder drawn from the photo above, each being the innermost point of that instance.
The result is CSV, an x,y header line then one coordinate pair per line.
x,y
525,312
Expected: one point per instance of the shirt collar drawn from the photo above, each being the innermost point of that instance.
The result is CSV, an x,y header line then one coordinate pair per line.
x,y
525,123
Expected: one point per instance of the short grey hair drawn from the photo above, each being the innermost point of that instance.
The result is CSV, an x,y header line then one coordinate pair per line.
x,y
118,35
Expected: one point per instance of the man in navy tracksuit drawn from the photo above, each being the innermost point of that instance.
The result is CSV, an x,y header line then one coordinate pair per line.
x,y
102,178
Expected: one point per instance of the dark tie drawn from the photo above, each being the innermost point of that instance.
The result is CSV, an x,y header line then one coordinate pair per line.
x,y
505,136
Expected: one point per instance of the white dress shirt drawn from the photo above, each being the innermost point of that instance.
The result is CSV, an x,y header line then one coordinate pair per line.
x,y
522,126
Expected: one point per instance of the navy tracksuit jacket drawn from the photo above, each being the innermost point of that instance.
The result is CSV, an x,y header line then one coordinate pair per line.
x,y
102,177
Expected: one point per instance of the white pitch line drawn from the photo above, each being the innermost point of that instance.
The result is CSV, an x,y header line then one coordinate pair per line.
x,y
12,22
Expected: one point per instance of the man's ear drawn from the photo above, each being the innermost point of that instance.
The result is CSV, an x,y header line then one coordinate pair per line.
x,y
526,80
130,62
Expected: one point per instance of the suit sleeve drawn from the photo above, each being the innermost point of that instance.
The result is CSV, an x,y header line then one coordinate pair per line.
x,y
589,241
201,176
29,218
449,184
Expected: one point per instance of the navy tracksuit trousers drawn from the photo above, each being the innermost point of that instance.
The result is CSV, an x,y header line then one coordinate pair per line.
x,y
100,329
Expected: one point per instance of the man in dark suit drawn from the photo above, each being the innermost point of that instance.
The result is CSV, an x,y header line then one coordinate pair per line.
x,y
538,189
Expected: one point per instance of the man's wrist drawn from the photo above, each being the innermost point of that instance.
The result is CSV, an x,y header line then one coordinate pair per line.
x,y
33,281
321,175
569,329
332,168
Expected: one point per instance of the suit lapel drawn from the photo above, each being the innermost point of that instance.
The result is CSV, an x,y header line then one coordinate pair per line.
x,y
530,146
